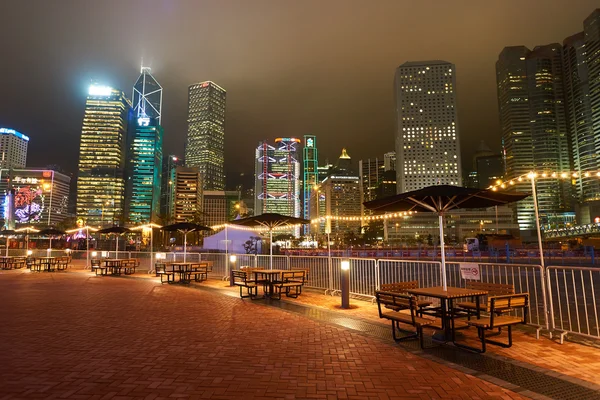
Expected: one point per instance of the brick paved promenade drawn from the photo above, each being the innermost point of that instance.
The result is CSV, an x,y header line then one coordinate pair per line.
x,y
71,335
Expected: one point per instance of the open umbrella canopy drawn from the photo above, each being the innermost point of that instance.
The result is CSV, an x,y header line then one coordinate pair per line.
x,y
115,229
269,220
443,198
51,231
8,232
186,227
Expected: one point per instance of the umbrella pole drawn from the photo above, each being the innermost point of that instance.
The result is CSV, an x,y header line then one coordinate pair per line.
x,y
537,221
7,240
151,249
184,245
444,283
50,248
271,248
117,248
87,247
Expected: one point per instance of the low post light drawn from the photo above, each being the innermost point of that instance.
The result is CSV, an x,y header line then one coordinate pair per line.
x,y
345,283
232,260
94,254
29,252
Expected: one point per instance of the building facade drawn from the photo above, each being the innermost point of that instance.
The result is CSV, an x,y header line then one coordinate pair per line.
x,y
100,183
167,194
205,145
188,195
13,148
427,135
370,172
533,124
33,197
310,173
389,161
220,206
277,178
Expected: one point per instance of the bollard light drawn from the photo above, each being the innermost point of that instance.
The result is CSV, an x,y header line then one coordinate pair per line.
x,y
29,252
94,254
345,283
160,256
233,258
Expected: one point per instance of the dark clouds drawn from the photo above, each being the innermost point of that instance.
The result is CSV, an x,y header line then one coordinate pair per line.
x,y
290,68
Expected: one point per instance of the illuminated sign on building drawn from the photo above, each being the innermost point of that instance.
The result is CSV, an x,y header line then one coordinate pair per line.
x,y
310,142
96,90
143,121
7,131
28,180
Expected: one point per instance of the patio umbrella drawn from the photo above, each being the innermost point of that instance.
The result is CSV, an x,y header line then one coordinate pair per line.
x,y
270,221
51,232
115,230
8,233
440,199
185,228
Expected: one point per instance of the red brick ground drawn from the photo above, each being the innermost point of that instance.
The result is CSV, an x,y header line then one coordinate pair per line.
x,y
571,359
71,335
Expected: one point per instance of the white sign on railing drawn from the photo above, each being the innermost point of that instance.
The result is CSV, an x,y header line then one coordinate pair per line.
x,y
470,271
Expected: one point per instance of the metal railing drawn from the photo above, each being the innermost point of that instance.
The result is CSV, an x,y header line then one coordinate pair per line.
x,y
574,297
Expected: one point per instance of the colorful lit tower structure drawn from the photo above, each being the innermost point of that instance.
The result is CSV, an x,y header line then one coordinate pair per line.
x,y
277,178
310,173
144,145
100,184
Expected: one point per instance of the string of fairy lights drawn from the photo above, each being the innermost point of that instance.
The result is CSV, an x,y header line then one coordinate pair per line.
x,y
507,183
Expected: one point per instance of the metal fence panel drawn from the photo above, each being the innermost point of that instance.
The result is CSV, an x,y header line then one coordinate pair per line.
x,y
318,271
428,273
574,297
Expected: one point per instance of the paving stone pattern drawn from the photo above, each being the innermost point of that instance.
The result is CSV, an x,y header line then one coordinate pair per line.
x,y
76,336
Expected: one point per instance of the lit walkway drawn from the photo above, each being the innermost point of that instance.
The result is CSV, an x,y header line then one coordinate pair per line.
x,y
72,335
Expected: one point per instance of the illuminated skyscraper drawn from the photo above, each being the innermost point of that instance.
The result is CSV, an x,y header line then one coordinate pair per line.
x,y
144,157
167,202
205,146
310,172
277,178
427,136
188,195
100,184
533,123
13,148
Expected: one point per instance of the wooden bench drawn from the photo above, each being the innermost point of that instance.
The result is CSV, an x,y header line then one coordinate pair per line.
x,y
199,271
96,266
290,280
16,263
493,289
497,306
130,265
241,279
402,287
402,302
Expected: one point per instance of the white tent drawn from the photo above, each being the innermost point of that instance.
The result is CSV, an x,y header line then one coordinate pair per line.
x,y
235,240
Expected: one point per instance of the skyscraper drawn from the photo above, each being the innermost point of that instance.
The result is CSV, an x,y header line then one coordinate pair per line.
x,y
427,136
100,184
144,157
188,195
13,148
533,123
205,146
277,178
389,161
167,202
310,172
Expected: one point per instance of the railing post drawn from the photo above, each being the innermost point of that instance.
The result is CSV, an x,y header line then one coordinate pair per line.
x,y
377,282
551,327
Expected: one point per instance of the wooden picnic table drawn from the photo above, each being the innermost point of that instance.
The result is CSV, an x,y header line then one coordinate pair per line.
x,y
185,270
269,276
447,298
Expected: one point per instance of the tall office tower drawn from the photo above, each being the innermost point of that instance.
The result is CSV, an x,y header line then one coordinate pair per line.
x,y
205,146
33,196
389,161
310,173
100,184
277,178
490,169
533,123
167,193
370,173
147,96
427,136
342,197
188,195
591,30
144,171
13,148
144,152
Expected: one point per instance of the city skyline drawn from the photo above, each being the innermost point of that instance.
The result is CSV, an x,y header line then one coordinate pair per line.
x,y
306,106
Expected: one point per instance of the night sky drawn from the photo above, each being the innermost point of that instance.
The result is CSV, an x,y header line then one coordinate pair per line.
x,y
290,68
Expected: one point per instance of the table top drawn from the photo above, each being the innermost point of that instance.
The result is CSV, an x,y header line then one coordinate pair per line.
x,y
269,271
451,292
